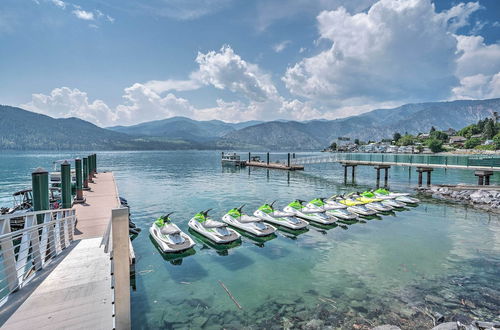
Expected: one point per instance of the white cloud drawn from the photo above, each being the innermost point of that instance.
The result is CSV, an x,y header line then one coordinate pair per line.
x,y
397,51
478,68
160,86
279,47
59,3
227,70
85,15
181,9
66,102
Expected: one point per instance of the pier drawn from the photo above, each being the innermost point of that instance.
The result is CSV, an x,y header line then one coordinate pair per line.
x,y
68,268
483,168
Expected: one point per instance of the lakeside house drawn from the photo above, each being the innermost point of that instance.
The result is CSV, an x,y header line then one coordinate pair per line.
x,y
457,140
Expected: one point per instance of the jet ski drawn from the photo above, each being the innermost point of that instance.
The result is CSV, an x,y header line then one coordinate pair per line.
x,y
245,222
216,231
401,197
373,203
385,201
332,208
285,219
312,214
355,206
169,237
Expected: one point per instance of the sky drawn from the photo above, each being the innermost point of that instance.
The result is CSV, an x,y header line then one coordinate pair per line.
x,y
119,62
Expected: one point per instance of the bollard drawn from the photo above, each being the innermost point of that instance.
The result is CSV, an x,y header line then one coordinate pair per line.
x,y
85,173
90,169
40,190
79,179
288,160
66,185
267,158
95,163
248,157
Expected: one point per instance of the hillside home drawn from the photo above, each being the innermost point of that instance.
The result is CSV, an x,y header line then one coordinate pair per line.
x,y
457,140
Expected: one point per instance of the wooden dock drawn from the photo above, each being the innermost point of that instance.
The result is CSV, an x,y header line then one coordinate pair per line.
x,y
77,292
277,166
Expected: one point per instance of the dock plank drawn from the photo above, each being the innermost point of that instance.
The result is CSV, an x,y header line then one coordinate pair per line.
x,y
77,294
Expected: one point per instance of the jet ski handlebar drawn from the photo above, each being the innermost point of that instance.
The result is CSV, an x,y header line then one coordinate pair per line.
x,y
205,213
241,207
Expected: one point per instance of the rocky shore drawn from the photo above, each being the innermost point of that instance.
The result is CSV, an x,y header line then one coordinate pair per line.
x,y
476,325
487,198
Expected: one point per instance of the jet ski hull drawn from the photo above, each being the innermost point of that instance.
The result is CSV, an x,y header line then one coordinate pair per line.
x,y
361,210
327,220
281,221
169,246
212,233
249,227
342,214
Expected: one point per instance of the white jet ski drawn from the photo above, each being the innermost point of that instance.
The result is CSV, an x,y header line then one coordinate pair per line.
x,y
169,237
400,197
216,231
285,219
355,206
384,200
311,214
248,223
334,208
372,203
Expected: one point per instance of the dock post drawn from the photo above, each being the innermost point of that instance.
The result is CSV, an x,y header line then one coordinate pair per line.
x,y
428,178
85,173
378,177
95,163
79,183
121,267
40,190
66,185
420,179
483,177
267,158
90,176
353,172
386,177
249,156
293,155
288,160
345,173
487,180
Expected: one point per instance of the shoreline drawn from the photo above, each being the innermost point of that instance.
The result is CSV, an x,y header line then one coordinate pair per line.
x,y
486,198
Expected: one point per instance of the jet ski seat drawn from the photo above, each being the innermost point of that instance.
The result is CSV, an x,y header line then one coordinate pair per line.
x,y
245,218
213,224
169,230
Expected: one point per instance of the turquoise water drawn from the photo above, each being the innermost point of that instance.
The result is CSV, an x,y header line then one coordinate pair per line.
x,y
433,258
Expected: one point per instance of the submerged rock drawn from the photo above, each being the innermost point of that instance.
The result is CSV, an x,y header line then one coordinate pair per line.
x,y
447,326
314,325
386,327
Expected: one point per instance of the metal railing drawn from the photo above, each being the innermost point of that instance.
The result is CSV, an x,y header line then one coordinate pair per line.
x,y
459,161
24,252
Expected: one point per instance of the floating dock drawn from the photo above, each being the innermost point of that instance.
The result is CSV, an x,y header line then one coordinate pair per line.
x,y
277,166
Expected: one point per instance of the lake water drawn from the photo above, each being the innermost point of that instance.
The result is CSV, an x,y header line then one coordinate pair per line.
x,y
433,258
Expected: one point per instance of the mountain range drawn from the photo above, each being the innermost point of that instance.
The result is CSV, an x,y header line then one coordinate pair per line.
x,y
24,130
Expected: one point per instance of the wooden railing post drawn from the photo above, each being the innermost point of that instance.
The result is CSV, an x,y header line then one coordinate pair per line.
x,y
121,267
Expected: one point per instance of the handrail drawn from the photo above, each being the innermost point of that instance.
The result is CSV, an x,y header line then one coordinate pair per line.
x,y
24,252
18,215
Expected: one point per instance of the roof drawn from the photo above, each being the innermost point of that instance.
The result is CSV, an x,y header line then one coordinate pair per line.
x,y
457,139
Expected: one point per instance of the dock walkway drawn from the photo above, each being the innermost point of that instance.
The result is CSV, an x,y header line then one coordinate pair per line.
x,y
77,293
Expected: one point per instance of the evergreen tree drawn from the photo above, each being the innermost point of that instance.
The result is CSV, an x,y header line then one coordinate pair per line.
x,y
489,129
396,137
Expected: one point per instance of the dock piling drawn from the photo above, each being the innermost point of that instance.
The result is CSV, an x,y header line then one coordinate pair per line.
x,y
483,177
66,185
85,173
267,158
420,171
40,190
288,163
79,183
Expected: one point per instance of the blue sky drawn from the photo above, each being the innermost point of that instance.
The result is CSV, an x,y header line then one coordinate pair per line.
x,y
124,62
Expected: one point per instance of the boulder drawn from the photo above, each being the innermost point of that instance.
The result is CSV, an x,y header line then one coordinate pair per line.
x,y
446,326
314,325
386,327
